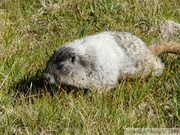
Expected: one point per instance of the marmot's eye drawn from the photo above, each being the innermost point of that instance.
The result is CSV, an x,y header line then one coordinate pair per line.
x,y
60,67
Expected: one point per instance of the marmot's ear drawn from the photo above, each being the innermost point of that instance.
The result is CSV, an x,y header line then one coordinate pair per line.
x,y
72,57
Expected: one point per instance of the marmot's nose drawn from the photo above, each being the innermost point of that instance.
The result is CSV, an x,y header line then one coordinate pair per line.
x,y
49,77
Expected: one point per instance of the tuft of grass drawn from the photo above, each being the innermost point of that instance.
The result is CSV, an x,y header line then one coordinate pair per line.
x,y
31,30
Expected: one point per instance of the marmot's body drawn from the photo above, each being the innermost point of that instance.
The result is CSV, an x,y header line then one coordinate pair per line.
x,y
98,61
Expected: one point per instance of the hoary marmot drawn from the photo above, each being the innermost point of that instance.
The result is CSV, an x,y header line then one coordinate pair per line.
x,y
99,61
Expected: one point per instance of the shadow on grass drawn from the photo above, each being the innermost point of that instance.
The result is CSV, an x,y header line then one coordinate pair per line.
x,y
31,85
36,85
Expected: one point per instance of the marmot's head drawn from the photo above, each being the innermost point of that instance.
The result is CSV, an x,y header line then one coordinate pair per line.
x,y
60,66
71,67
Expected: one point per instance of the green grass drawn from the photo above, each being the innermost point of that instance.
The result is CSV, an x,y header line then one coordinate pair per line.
x,y
29,32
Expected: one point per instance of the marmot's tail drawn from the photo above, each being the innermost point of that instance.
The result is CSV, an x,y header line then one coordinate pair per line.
x,y
165,47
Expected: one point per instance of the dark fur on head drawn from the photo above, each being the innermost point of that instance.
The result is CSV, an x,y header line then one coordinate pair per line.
x,y
60,63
